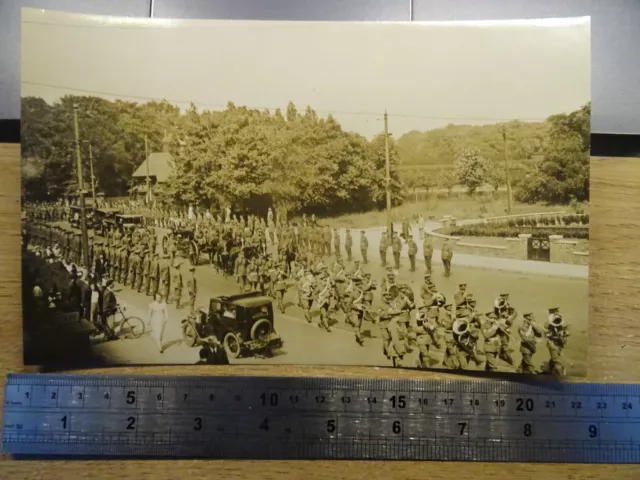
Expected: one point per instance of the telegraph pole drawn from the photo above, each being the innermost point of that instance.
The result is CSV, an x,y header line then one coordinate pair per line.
x,y
83,213
93,178
506,167
388,179
146,160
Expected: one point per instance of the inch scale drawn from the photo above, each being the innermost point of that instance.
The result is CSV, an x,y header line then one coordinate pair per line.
x,y
320,418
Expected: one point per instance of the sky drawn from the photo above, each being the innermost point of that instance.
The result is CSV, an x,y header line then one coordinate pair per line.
x,y
425,75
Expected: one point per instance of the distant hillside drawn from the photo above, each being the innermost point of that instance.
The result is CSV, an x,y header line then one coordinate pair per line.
x,y
440,147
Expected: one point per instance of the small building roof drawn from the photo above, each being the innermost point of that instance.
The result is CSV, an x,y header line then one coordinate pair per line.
x,y
160,166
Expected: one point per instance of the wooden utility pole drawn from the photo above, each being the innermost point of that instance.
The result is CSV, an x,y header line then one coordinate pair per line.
x,y
146,160
506,168
388,178
83,212
93,178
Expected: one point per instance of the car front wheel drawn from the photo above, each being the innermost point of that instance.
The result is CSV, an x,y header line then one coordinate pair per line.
x,y
231,344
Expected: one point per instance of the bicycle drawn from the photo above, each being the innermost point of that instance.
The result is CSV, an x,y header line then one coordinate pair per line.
x,y
128,327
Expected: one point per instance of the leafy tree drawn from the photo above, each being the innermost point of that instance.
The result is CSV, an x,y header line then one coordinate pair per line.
x,y
447,179
563,172
471,169
496,175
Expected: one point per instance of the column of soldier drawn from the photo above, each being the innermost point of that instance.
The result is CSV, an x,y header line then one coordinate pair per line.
x,y
274,255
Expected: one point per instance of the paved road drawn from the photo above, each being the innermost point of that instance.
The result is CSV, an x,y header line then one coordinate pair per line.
x,y
307,344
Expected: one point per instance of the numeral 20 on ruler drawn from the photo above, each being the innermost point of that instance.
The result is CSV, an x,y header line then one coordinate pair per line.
x,y
249,417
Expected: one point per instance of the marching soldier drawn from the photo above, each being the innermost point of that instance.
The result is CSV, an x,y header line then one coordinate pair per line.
x,y
192,288
501,305
124,264
151,287
396,247
466,338
358,307
336,243
146,270
412,250
364,246
176,284
326,241
252,275
280,287
460,297
140,269
153,241
491,332
383,249
557,334
357,272
446,254
426,329
134,260
306,295
324,300
530,334
348,244
505,334
165,276
427,251
405,228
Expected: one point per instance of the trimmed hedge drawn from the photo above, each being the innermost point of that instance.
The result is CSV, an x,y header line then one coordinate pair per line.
x,y
543,221
505,231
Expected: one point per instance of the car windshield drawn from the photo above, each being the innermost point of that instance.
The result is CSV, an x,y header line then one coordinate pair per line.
x,y
262,310
229,311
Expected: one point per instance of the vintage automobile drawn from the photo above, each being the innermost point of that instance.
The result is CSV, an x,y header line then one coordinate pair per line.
x,y
74,215
124,221
185,243
243,323
104,219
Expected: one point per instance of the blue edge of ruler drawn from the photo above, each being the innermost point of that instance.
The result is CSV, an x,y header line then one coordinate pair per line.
x,y
320,418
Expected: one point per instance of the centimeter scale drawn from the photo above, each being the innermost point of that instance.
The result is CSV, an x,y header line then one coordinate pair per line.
x,y
320,418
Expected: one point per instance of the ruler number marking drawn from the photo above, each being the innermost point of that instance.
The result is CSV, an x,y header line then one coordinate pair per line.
x,y
396,427
593,431
527,430
463,427
197,424
64,422
131,397
272,399
131,423
331,425
398,401
524,404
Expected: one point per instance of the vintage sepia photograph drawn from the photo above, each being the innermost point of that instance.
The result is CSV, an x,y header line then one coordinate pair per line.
x,y
408,195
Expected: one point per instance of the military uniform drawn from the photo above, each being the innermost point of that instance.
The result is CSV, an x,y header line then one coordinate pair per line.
x,y
165,277
134,261
396,247
427,336
383,249
358,307
348,244
324,301
336,243
192,289
306,297
327,241
446,254
151,288
142,275
557,334
412,251
364,247
280,287
530,333
176,285
491,332
427,251
123,266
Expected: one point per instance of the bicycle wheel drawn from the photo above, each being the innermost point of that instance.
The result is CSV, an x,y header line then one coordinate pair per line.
x,y
132,327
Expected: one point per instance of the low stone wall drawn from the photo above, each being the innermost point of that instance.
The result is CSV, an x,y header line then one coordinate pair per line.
x,y
568,251
513,249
